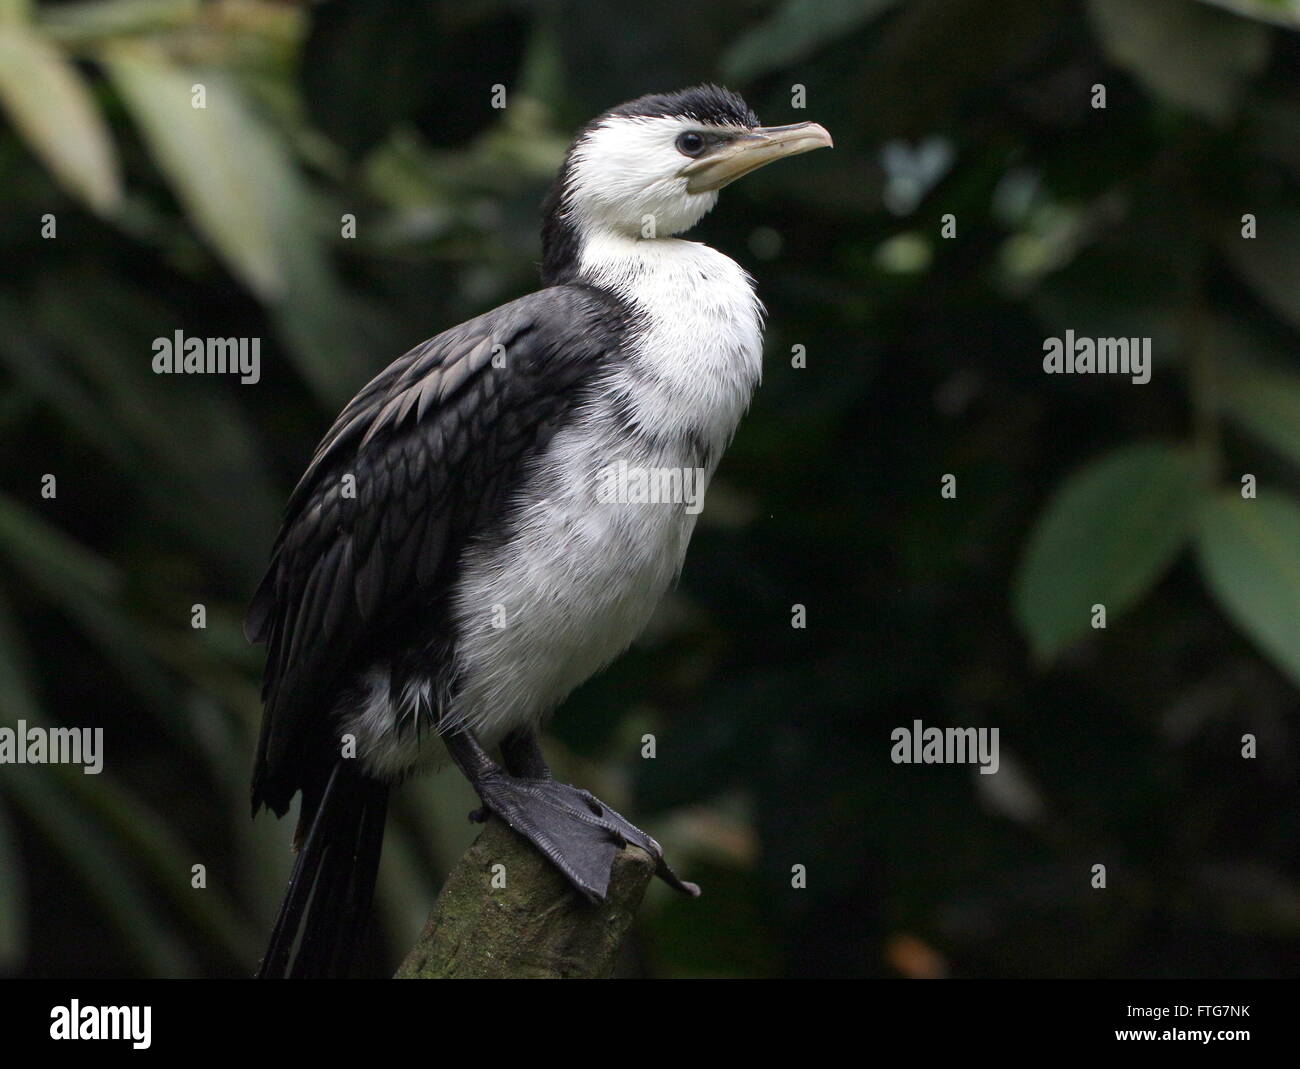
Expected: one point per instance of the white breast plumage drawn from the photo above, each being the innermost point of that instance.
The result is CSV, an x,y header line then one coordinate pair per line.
x,y
697,353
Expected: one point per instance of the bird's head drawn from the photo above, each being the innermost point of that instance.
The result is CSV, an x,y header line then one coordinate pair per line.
x,y
652,167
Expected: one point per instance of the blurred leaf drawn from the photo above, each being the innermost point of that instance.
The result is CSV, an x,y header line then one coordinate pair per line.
x,y
366,67
17,702
106,875
1106,537
156,852
1250,558
1130,270
31,363
1270,262
244,194
210,156
60,566
84,20
333,338
148,841
1280,12
923,68
49,104
206,460
1265,402
795,30
1192,56
87,588
15,11
13,905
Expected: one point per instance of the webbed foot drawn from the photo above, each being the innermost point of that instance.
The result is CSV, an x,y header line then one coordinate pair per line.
x,y
577,832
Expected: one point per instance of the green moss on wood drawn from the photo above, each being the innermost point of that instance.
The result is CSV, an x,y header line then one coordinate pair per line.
x,y
536,926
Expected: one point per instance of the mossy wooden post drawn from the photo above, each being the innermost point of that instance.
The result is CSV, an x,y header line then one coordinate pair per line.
x,y
536,926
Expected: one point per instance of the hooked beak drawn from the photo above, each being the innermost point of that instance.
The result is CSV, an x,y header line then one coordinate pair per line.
x,y
750,151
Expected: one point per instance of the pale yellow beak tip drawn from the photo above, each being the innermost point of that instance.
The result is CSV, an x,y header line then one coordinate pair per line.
x,y
822,134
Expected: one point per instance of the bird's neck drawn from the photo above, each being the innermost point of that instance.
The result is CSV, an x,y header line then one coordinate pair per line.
x,y
573,249
614,260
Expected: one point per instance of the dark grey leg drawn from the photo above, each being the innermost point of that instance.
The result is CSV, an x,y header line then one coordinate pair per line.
x,y
521,751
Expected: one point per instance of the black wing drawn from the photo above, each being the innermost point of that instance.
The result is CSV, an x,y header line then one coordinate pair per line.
x,y
433,443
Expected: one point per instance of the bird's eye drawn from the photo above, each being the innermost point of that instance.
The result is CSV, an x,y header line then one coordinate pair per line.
x,y
690,143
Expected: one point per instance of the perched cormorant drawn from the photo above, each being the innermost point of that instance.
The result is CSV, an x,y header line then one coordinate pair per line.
x,y
452,564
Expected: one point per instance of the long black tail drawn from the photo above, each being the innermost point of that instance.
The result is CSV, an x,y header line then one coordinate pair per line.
x,y
333,882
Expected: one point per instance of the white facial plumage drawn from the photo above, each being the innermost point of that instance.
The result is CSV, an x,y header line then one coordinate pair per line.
x,y
625,175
